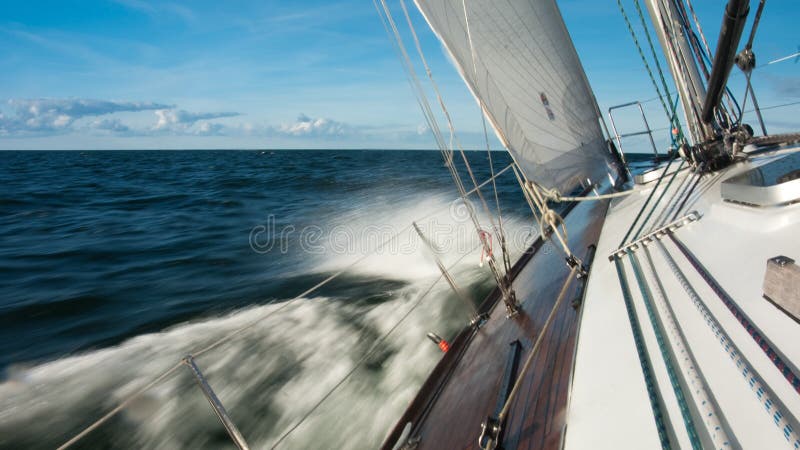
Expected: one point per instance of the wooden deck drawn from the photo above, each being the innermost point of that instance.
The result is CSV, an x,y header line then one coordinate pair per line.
x,y
463,389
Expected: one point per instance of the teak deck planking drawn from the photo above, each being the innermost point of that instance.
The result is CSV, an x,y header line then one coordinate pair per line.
x,y
462,390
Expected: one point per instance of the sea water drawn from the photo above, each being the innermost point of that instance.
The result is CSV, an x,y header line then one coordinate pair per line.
x,y
116,264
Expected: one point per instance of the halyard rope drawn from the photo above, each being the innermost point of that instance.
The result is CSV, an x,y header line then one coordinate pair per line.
x,y
716,425
669,364
650,381
774,407
671,115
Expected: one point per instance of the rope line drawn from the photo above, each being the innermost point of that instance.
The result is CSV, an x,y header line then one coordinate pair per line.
x,y
658,330
676,198
716,424
658,200
662,217
781,362
644,360
649,197
687,194
519,381
589,198
526,194
672,113
550,217
773,406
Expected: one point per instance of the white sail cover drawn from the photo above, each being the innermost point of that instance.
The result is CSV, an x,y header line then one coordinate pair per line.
x,y
526,73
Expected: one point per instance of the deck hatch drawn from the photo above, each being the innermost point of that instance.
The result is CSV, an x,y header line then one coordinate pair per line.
x,y
774,183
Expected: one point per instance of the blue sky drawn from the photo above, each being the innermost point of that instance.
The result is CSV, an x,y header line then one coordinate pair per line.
x,y
95,74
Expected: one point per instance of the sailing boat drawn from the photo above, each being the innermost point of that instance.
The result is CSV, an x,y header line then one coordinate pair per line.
x,y
655,309
674,322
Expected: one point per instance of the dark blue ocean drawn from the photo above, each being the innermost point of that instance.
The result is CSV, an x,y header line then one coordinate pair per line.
x,y
115,264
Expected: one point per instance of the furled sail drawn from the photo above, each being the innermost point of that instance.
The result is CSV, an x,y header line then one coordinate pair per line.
x,y
519,61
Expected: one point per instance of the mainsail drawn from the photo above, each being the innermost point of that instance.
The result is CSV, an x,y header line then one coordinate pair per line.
x,y
519,61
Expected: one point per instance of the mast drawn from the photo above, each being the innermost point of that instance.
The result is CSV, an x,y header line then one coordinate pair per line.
x,y
729,35
675,45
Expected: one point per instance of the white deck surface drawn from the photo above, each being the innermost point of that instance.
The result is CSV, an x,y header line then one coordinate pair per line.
x,y
609,407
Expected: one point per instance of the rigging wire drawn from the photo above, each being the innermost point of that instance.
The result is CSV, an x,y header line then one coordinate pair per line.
x,y
681,60
447,152
446,112
694,41
163,376
644,60
699,28
672,113
775,106
787,57
500,232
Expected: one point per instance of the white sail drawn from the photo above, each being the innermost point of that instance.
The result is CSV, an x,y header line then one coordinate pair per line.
x,y
519,61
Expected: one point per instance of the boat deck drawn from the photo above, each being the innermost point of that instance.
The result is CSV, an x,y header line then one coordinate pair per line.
x,y
673,346
465,386
747,394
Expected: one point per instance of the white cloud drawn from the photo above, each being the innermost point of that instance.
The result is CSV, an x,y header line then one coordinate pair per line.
x,y
41,118
47,116
307,126
181,120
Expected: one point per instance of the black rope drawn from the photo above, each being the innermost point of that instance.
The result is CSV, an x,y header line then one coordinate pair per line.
x,y
649,197
687,195
655,205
